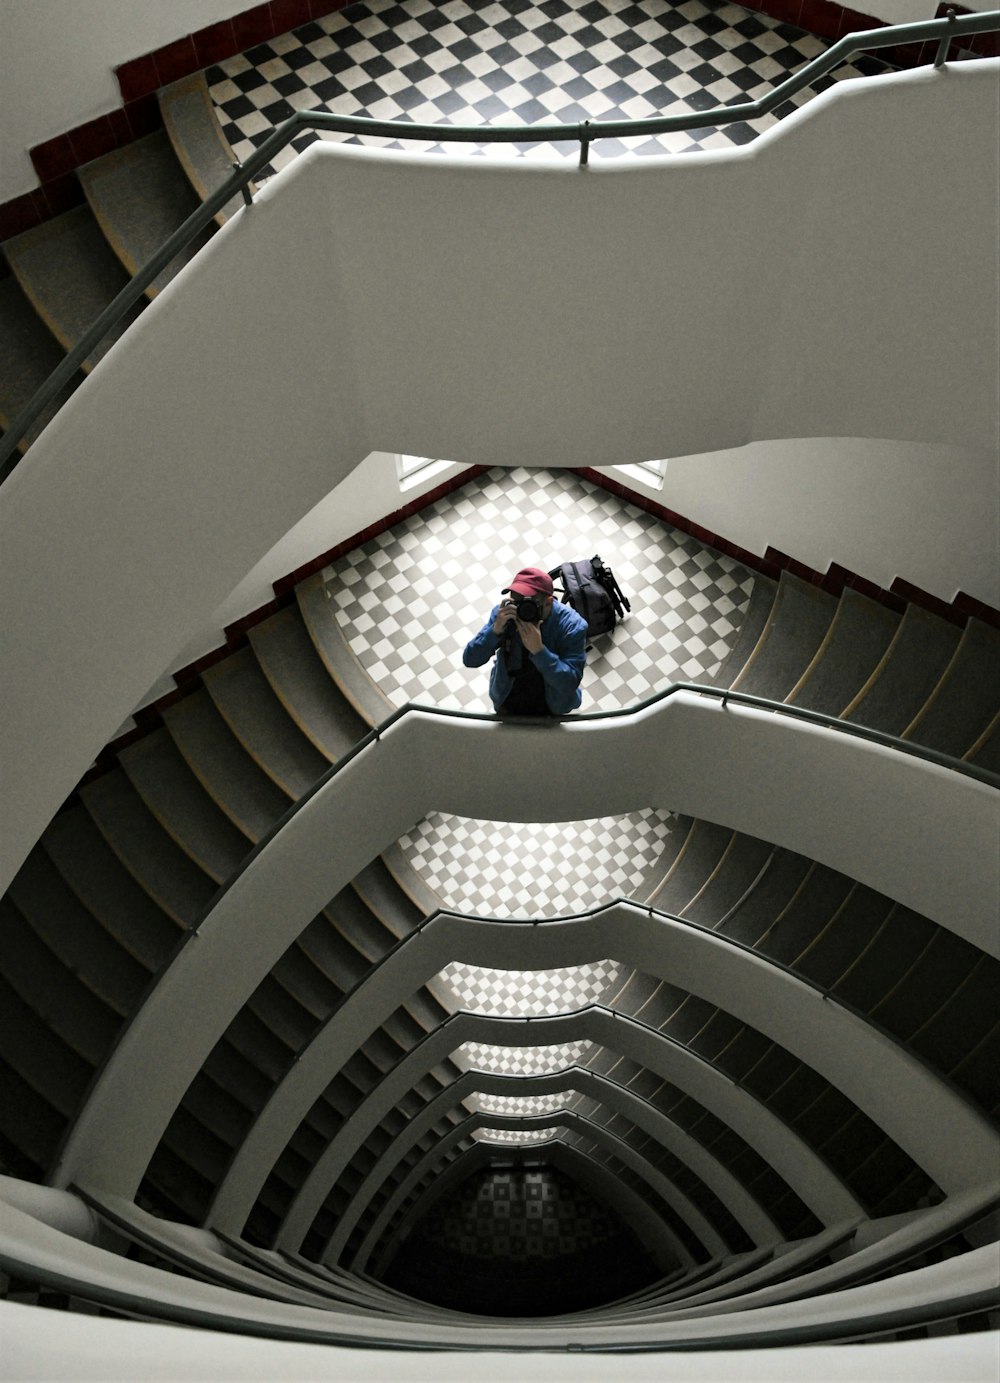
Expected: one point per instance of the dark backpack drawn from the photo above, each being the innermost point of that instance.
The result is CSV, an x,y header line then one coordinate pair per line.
x,y
592,591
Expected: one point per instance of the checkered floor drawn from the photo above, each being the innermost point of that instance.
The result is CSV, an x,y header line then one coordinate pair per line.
x,y
512,62
610,857
524,1061
409,600
530,993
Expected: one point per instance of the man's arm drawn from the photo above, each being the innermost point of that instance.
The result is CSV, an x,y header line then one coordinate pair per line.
x,y
480,649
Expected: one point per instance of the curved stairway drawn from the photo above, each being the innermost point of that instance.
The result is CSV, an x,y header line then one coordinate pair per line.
x,y
132,862
60,276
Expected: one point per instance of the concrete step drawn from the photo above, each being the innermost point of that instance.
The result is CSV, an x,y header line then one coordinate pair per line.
x,y
69,274
297,676
196,137
28,355
167,873
247,703
796,626
155,768
139,196
247,796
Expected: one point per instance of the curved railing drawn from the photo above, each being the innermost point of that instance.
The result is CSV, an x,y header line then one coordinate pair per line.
x,y
945,31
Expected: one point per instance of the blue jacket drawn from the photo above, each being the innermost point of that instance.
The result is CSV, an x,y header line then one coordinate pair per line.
x,y
560,661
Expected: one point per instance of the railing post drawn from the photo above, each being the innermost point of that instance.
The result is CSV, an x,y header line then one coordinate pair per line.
x,y
585,144
942,52
244,187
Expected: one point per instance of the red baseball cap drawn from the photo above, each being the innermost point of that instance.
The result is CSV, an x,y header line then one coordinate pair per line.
x,y
530,581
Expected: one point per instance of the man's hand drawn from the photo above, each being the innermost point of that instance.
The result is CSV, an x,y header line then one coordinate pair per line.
x,y
531,636
507,612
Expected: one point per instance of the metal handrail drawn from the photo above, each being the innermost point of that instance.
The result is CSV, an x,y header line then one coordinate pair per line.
x,y
945,30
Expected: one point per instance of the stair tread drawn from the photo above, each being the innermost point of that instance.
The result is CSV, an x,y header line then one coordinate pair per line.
x,y
263,727
201,147
71,932
28,355
82,1020
331,644
383,896
227,773
169,876
40,1056
740,865
912,667
858,638
749,918
70,275
177,800
701,852
87,863
140,196
762,597
967,698
296,673
800,617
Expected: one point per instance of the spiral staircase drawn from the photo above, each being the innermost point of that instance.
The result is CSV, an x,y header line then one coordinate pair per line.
x,y
717,1103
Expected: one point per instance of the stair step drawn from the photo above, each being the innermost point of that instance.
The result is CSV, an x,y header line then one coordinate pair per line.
x,y
380,893
73,1012
368,700
70,275
298,678
795,927
42,1059
177,800
297,973
740,866
251,801
845,936
937,979
966,699
257,718
73,934
799,619
28,355
694,864
140,196
30,1127
856,640
108,890
328,949
759,606
359,926
195,134
896,946
169,876
749,919
908,673
282,1014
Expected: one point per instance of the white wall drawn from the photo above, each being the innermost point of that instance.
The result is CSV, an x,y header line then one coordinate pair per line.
x,y
927,513
830,278
914,11
66,51
368,494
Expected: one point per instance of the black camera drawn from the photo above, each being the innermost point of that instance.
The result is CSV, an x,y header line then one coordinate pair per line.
x,y
528,608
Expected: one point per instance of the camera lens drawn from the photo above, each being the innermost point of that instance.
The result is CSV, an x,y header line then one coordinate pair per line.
x,y
528,610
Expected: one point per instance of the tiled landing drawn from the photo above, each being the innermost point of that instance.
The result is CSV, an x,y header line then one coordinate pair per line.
x,y
479,62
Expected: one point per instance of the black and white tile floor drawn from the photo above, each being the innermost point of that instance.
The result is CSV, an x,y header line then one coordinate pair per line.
x,y
513,62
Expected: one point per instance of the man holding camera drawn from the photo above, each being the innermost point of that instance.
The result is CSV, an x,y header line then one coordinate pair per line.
x,y
540,649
